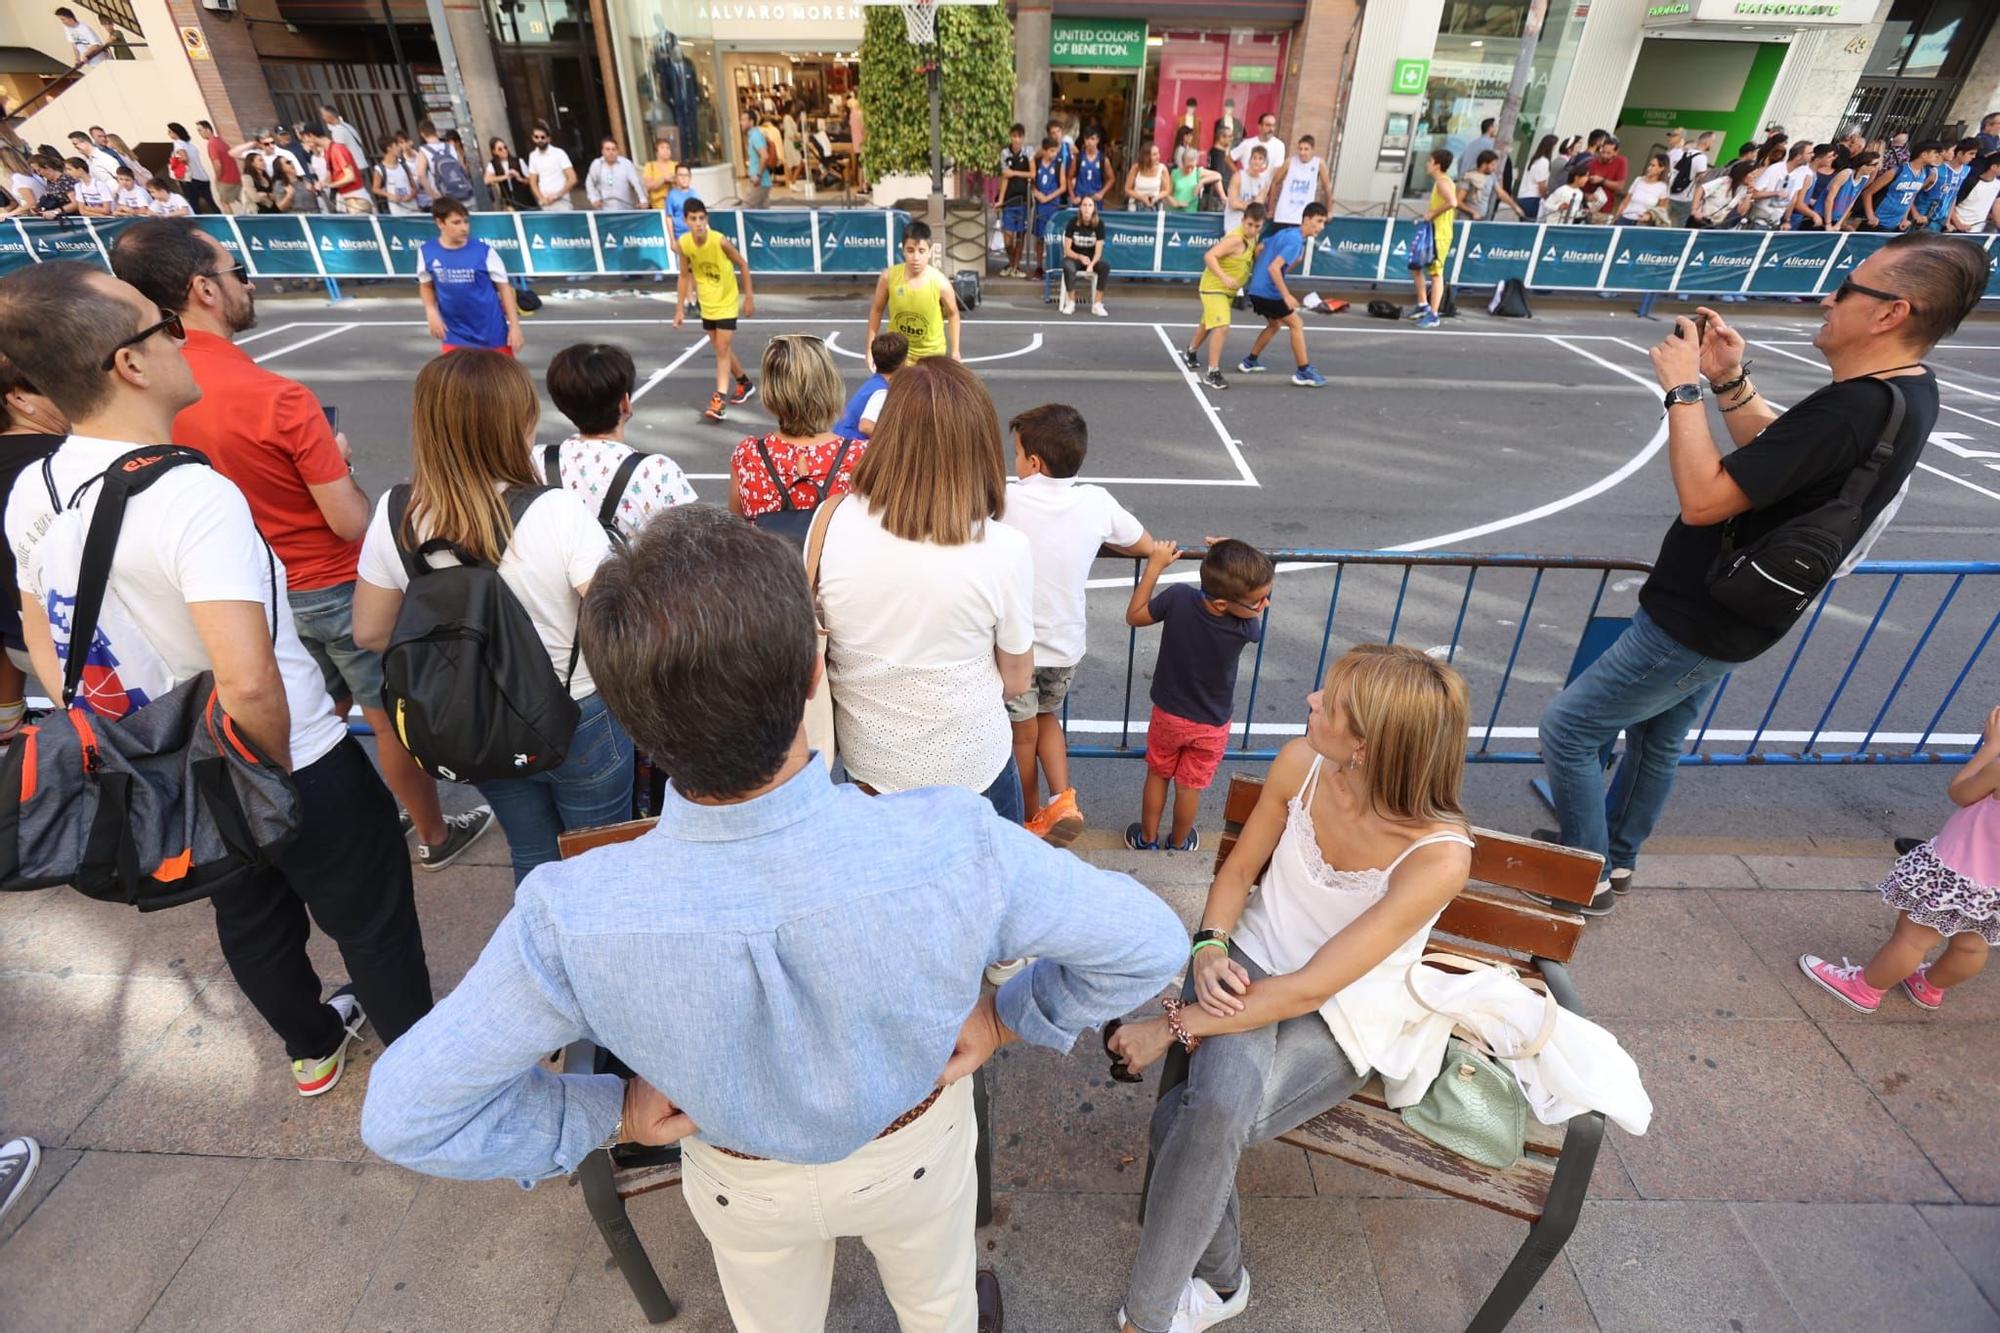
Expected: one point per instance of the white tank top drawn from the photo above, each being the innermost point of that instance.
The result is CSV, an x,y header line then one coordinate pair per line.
x,y
1303,903
1301,182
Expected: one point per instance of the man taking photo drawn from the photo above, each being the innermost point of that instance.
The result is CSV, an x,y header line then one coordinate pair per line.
x,y
1650,683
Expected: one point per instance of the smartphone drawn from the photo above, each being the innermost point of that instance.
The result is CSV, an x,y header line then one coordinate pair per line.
x,y
332,418
1701,319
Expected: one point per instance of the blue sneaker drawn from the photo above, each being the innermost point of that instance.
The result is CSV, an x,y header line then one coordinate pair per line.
x,y
1419,312
1308,378
1192,844
1250,365
1429,321
1137,843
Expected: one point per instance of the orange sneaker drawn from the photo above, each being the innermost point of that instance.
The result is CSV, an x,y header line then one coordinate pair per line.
x,y
716,411
1059,822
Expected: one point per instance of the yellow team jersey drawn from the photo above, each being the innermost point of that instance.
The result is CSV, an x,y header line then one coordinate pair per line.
x,y
1237,266
714,275
1442,225
916,310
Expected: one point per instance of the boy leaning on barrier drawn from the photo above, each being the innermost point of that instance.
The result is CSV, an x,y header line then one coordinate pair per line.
x,y
1206,628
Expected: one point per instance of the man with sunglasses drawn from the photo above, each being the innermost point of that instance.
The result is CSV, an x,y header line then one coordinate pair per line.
x,y
550,171
193,588
1651,683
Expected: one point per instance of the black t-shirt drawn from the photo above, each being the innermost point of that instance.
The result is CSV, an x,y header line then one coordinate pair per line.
x,y
18,454
1797,464
1085,238
1016,192
1195,675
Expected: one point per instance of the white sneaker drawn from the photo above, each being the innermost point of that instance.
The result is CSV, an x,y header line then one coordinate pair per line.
x,y
1097,309
1201,1308
1067,306
1002,973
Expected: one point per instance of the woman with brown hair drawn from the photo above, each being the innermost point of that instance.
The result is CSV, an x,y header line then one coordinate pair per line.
x,y
471,433
803,460
928,603
1300,989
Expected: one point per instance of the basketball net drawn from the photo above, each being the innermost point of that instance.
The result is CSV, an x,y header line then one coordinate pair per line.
x,y
920,21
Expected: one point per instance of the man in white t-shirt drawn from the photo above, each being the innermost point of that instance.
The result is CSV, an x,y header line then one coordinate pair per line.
x,y
1686,165
193,588
1267,137
1301,181
1979,210
1065,522
86,47
550,172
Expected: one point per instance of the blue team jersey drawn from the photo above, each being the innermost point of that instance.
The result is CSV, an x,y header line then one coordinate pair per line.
x,y
1288,244
676,201
1089,182
849,425
1938,200
467,301
1894,205
1048,179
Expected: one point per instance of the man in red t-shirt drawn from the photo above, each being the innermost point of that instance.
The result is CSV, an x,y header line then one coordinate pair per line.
x,y
1608,170
343,173
269,435
226,178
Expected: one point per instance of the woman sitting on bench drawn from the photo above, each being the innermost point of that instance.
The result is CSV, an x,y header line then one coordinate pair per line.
x,y
1297,990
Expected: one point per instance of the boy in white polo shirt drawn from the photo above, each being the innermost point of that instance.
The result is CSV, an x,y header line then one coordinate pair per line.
x,y
1065,522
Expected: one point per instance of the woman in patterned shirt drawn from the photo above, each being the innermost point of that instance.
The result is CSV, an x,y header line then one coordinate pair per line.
x,y
803,390
591,384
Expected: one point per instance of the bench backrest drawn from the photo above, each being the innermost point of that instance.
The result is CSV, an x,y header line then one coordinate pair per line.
x,y
1501,922
577,841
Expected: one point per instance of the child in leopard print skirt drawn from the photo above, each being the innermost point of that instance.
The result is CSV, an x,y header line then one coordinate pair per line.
x,y
1947,888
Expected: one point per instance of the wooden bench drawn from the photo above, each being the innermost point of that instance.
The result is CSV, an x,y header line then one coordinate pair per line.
x,y
1546,1187
626,1171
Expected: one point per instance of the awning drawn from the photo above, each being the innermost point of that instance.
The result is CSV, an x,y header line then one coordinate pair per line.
x,y
27,60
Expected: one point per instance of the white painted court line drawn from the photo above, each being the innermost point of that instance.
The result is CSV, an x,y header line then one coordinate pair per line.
x,y
1991,495
1103,726
305,342
262,333
669,368
1051,323
1230,443
1967,388
1561,340
1034,345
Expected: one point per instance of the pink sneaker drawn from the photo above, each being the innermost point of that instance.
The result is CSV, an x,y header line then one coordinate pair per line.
x,y
1918,987
1844,981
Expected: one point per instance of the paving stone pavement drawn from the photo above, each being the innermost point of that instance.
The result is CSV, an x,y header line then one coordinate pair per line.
x,y
1807,1167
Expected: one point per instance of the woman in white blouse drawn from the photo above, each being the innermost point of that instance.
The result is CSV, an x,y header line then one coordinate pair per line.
x,y
470,435
928,603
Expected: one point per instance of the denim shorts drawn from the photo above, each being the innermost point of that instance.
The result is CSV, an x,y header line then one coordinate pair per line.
x,y
325,618
1046,695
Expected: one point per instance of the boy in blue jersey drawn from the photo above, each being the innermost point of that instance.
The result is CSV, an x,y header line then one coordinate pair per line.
x,y
888,352
468,301
1047,188
1271,299
1936,202
1890,201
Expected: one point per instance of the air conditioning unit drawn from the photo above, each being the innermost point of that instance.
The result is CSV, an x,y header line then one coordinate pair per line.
x,y
219,6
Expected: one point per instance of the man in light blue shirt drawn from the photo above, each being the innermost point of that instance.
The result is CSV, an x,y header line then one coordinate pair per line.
x,y
792,969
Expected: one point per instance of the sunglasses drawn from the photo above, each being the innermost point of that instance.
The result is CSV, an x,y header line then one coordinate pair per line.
x,y
170,324
1120,1071
236,271
1849,287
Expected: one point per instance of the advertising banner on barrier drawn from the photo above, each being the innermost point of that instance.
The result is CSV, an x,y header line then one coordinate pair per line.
x,y
13,249
851,241
497,230
276,245
778,240
1131,240
403,238
1492,252
66,240
1570,256
559,243
348,246
1793,262
1644,259
633,242
1720,260
1349,248
1188,237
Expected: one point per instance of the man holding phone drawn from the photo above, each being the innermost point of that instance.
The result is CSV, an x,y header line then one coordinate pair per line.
x,y
272,438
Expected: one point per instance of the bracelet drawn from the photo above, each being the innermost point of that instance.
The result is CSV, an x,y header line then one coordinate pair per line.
x,y
1199,945
618,1130
1174,1025
1746,400
1742,374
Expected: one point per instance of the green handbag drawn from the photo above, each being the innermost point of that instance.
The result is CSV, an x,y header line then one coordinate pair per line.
x,y
1474,1107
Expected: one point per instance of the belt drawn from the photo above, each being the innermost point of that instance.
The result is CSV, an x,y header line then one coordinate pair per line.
x,y
900,1122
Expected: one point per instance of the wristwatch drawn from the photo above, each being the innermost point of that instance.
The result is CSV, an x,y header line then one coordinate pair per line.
x,y
1683,393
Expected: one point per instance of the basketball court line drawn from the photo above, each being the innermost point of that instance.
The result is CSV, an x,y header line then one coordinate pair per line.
x,y
262,333
1034,345
669,368
305,342
1230,444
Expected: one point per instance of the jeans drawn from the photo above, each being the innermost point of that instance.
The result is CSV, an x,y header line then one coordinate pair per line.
x,y
325,619
592,786
1098,270
1005,794
350,869
1650,687
1242,1088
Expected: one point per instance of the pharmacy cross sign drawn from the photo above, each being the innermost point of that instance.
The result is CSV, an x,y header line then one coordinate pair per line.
x,y
1410,77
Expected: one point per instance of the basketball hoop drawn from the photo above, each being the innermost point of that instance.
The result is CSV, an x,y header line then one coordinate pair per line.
x,y
919,21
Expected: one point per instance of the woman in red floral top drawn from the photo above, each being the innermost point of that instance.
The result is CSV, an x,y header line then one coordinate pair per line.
x,y
802,388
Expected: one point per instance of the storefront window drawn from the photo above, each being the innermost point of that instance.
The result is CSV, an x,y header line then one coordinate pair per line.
x,y
667,68
1243,68
1472,67
528,21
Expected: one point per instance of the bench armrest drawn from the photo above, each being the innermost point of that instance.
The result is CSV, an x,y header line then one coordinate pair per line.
x,y
1581,1140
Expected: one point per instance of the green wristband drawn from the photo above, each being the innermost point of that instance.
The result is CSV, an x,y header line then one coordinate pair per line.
x,y
1207,944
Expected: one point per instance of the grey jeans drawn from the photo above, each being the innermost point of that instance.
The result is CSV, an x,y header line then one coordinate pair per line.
x,y
1241,1089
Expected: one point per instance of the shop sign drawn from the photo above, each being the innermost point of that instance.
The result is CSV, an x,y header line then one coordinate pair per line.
x,y
1410,77
278,246
1253,73
559,242
634,242
1764,13
1097,43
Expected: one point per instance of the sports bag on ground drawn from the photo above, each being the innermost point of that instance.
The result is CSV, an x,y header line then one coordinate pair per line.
x,y
965,287
160,807
1510,300
789,521
1772,580
466,681
607,508
1382,309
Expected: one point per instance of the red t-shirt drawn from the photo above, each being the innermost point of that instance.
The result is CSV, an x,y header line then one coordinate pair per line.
x,y
804,469
340,158
221,166
268,435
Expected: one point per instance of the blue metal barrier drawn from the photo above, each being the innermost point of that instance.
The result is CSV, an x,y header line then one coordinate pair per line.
x,y
1513,626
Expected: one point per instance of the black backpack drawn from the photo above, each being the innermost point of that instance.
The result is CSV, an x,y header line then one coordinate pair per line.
x,y
607,508
1772,580
465,680
1683,173
1382,309
789,521
1510,300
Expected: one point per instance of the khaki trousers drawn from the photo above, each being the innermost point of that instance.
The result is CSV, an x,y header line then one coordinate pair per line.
x,y
910,1197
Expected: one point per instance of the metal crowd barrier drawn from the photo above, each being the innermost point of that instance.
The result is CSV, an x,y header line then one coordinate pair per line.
x,y
1876,673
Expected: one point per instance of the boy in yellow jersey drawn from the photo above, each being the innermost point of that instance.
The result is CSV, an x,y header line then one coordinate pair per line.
x,y
918,300
1225,269
711,264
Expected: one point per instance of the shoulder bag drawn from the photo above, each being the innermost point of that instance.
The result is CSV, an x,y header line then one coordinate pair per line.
x,y
819,704
1474,1106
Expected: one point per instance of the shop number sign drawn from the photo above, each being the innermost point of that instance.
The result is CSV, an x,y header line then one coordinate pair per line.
x,y
1410,77
1097,43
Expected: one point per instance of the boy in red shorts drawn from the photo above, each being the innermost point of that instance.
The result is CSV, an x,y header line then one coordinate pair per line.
x,y
1206,630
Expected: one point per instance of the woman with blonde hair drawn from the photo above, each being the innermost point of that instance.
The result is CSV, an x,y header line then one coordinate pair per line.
x,y
1297,990
473,487
800,464
928,603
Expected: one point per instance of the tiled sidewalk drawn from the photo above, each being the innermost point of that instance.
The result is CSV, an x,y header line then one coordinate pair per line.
x,y
1807,1167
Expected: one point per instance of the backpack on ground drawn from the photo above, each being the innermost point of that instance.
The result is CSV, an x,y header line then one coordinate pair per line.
x,y
788,520
162,806
965,287
1448,308
607,508
1382,309
526,300
448,175
465,680
1510,300
1772,580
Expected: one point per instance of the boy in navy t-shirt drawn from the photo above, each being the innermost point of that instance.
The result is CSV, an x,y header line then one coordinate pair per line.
x,y
468,301
1206,629
1271,299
